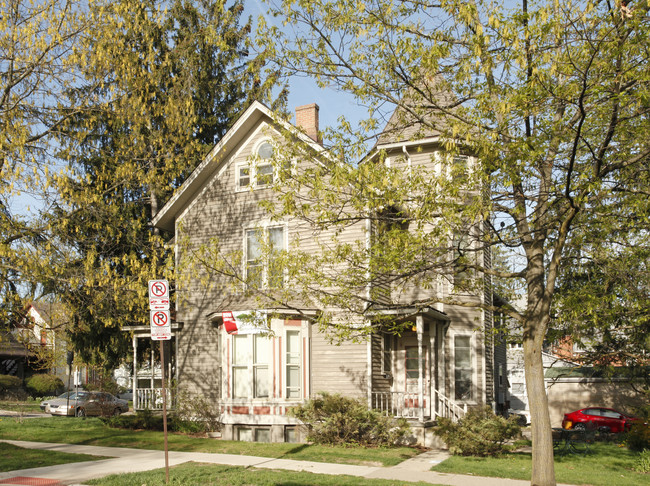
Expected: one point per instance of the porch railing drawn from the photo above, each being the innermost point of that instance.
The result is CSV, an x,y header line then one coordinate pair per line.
x,y
150,399
447,408
400,404
406,405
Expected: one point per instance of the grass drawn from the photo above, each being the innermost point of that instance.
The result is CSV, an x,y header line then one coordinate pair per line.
x,y
208,474
13,458
605,464
93,431
21,406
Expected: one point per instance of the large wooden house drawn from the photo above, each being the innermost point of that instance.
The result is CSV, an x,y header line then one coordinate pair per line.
x,y
441,365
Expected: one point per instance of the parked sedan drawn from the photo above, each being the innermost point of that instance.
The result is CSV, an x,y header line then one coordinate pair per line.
x,y
85,403
44,403
605,419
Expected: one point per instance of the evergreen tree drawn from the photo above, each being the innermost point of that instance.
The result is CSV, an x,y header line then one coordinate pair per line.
x,y
162,84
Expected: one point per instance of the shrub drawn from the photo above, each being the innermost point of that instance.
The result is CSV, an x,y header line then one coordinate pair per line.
x,y
11,388
41,385
8,382
642,463
144,420
480,433
638,438
335,419
194,414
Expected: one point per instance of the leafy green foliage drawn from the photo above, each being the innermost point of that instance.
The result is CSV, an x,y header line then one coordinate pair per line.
x,y
480,433
642,464
8,382
339,420
195,414
142,420
551,99
42,384
163,81
638,438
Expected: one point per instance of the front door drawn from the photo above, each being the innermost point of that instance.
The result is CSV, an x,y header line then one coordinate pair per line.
x,y
410,382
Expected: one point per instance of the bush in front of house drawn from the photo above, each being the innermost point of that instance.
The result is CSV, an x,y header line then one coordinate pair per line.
x,y
8,382
338,420
638,437
195,414
11,387
42,385
480,433
142,420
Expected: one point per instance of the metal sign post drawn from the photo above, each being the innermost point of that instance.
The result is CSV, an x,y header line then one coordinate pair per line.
x,y
161,331
164,394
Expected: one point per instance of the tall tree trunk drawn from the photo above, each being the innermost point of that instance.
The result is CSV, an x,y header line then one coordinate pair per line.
x,y
535,326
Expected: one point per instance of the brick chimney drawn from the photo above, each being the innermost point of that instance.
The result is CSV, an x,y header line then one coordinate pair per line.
x,y
307,120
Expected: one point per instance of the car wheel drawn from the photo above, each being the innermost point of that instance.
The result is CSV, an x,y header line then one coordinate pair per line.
x,y
579,427
81,412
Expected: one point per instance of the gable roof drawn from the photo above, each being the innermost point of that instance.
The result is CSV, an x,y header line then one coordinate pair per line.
x,y
165,218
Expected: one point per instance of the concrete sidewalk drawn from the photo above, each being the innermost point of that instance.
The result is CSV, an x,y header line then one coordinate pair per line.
x,y
135,460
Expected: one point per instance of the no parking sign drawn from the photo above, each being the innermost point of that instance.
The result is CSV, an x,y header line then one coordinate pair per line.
x,y
161,329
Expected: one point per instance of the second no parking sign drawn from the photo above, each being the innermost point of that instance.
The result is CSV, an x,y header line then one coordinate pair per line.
x,y
161,329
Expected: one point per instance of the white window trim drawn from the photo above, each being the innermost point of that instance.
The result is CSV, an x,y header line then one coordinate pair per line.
x,y
474,364
250,367
387,371
264,227
253,164
285,364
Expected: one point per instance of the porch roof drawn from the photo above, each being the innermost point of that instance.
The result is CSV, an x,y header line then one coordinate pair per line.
x,y
218,315
410,311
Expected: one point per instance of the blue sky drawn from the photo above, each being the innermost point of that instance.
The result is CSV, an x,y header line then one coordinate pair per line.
x,y
303,91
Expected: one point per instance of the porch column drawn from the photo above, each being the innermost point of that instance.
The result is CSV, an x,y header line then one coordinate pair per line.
x,y
135,370
419,323
369,368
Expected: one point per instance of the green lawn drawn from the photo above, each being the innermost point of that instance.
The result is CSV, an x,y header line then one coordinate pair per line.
x,y
25,407
190,474
13,458
604,465
92,431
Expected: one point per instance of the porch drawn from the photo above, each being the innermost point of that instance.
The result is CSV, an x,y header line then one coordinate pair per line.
x,y
407,405
147,373
409,371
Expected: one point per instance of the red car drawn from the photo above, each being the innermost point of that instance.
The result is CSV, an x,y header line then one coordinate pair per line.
x,y
600,418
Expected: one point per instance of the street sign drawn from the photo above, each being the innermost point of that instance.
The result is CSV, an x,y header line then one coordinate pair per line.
x,y
161,329
158,295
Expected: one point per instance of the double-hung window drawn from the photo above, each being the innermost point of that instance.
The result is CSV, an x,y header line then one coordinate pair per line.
x,y
250,366
293,360
463,372
264,248
387,354
259,172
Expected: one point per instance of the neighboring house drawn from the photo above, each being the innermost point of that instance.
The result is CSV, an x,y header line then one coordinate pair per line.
x,y
32,345
36,344
569,385
518,396
442,365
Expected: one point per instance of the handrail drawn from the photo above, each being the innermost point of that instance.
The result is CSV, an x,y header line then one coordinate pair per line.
x,y
405,404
